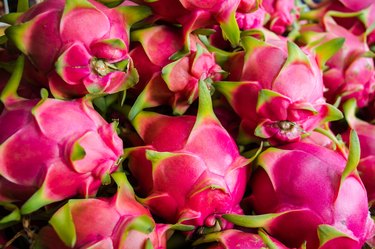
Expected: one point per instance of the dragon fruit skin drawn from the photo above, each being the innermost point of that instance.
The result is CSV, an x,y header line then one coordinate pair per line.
x,y
370,21
42,148
211,185
366,169
233,238
251,20
192,14
313,199
356,5
78,57
349,73
366,134
283,14
176,84
278,99
51,147
106,223
155,46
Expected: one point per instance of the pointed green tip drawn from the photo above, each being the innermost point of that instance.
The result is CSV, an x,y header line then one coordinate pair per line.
x,y
208,238
123,185
266,96
63,224
78,152
295,54
251,221
350,107
10,219
250,43
230,30
74,4
327,233
134,14
181,227
10,18
9,94
149,244
267,240
354,155
36,201
111,3
22,5
18,35
328,49
139,104
156,156
333,114
205,109
143,223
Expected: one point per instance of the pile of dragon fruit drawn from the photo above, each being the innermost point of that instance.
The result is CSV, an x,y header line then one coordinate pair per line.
x,y
139,124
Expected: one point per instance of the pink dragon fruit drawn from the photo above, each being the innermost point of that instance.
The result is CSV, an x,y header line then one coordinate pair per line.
x,y
370,20
366,134
177,82
355,5
178,171
249,17
193,14
319,198
319,8
231,238
349,73
82,46
283,14
105,223
155,46
279,99
58,148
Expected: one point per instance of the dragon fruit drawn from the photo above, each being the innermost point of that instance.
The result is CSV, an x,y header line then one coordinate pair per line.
x,y
366,134
349,73
177,83
319,198
116,222
250,15
369,22
79,55
178,171
233,238
155,45
192,15
280,99
355,5
283,14
62,148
